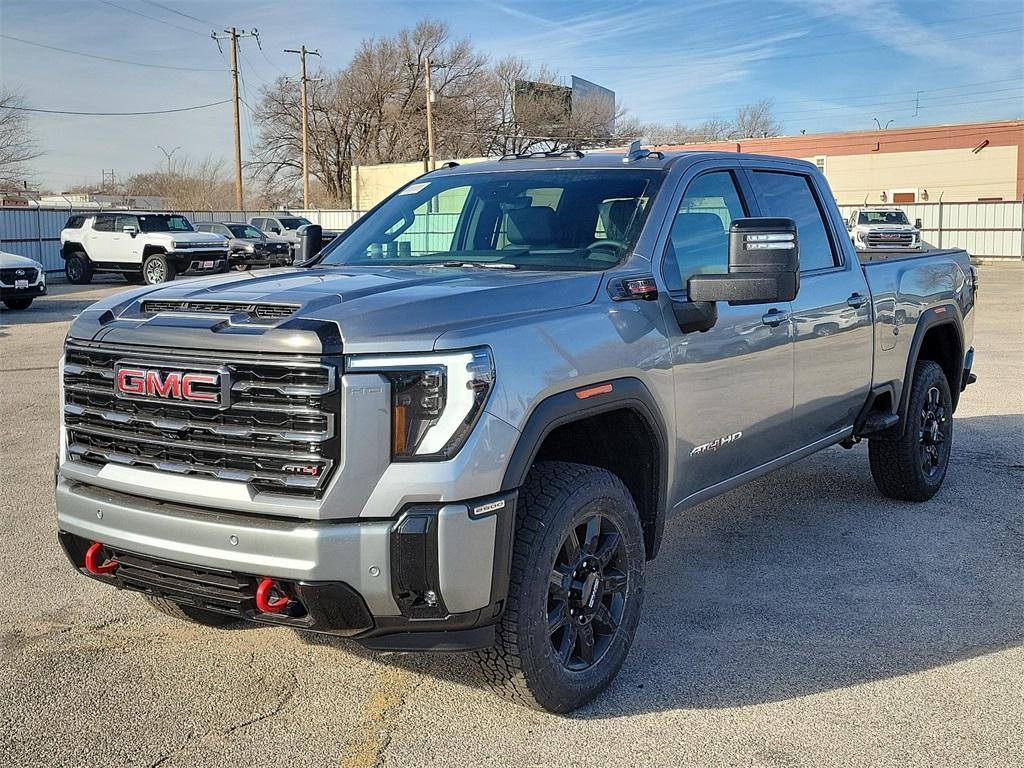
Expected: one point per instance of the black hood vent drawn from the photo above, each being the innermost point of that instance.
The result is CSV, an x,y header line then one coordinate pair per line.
x,y
256,311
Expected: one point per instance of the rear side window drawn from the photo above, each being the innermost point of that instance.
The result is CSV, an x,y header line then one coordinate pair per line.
x,y
104,223
75,222
790,195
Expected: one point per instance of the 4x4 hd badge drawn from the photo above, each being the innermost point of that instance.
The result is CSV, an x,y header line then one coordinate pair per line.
x,y
715,444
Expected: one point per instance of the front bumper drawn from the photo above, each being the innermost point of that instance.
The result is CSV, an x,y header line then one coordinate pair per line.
x,y
187,260
10,292
431,571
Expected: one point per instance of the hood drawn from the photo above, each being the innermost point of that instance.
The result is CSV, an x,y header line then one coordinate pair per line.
x,y
13,261
190,237
372,309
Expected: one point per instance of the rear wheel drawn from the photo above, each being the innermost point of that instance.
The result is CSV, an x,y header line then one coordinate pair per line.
x,y
189,613
157,268
575,592
18,304
912,467
77,268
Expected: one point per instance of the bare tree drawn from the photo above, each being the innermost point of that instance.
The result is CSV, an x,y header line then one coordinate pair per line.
x,y
200,185
17,145
755,121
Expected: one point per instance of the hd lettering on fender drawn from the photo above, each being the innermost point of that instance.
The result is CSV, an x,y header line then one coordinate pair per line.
x,y
715,444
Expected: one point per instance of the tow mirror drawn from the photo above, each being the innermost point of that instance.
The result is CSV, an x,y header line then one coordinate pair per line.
x,y
764,265
917,224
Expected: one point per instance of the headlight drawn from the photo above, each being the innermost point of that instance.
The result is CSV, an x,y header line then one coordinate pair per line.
x,y
249,247
436,399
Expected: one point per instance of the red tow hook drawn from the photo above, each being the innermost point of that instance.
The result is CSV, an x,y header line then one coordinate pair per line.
x,y
92,554
267,604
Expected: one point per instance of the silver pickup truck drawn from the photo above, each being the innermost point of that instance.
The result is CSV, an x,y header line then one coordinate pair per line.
x,y
464,425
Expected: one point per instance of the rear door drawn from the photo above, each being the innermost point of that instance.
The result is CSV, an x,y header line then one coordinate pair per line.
x,y
832,328
100,241
734,383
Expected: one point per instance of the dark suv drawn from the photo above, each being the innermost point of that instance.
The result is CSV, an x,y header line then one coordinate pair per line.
x,y
249,246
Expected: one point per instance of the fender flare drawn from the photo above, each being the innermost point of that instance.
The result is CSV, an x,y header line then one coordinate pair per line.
x,y
565,407
933,317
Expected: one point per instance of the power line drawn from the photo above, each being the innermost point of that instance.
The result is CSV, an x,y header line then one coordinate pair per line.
x,y
106,58
151,18
903,92
180,13
117,114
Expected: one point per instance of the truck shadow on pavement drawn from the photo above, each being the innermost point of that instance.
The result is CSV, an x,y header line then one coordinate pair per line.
x,y
808,580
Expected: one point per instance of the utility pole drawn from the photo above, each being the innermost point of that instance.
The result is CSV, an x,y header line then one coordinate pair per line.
x,y
232,34
431,160
168,155
305,121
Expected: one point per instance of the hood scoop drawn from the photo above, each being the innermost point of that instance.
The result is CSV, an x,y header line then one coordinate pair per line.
x,y
258,312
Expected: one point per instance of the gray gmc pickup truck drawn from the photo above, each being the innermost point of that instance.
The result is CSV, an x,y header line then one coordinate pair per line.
x,y
463,425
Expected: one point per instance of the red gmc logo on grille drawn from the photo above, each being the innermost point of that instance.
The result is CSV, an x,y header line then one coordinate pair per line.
x,y
199,387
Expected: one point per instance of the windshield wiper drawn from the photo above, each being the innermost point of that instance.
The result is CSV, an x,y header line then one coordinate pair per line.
x,y
479,264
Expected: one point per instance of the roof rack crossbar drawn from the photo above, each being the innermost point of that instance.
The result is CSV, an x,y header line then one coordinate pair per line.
x,y
560,153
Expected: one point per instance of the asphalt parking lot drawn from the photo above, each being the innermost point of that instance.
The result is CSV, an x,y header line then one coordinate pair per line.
x,y
802,620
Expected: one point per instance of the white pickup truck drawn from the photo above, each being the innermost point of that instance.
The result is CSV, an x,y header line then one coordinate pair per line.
x,y
883,229
145,247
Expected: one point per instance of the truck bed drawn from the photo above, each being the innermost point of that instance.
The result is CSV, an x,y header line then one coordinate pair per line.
x,y
903,286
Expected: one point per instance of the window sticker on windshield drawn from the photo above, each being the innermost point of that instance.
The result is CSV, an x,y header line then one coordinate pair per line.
x,y
412,189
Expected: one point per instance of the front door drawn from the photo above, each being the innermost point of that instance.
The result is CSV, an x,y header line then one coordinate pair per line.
x,y
124,248
734,383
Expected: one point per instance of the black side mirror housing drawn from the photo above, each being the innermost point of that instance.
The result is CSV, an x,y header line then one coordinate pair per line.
x,y
764,265
918,223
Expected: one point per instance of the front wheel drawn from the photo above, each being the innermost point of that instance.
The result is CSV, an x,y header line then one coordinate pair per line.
x,y
912,467
575,592
157,268
18,304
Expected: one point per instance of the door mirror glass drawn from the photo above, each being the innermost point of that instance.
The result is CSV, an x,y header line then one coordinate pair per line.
x,y
764,265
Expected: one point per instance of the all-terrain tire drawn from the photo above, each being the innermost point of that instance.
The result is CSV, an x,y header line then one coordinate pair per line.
x,y
913,466
189,613
524,665
77,268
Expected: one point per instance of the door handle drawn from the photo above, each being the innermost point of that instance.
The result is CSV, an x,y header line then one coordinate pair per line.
x,y
775,317
856,301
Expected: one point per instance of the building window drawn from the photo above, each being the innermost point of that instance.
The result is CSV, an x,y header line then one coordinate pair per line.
x,y
819,160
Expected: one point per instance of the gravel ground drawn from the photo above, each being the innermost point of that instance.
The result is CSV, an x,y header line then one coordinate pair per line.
x,y
802,620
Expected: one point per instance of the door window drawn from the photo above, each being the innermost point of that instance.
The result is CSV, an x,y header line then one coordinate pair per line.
x,y
790,196
104,223
126,221
699,239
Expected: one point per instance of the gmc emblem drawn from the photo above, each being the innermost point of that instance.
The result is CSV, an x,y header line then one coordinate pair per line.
x,y
206,388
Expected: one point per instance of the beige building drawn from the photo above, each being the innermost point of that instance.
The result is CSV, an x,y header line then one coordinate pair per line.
x,y
955,163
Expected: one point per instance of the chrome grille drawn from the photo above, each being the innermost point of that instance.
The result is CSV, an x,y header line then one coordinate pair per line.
x,y
890,239
278,433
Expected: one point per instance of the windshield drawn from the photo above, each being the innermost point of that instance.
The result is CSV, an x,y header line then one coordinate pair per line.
x,y
540,220
246,232
294,223
164,223
882,217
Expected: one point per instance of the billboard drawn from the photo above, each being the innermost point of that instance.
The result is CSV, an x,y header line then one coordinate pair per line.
x,y
588,97
542,107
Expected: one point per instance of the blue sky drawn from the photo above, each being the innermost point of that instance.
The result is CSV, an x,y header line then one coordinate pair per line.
x,y
827,64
